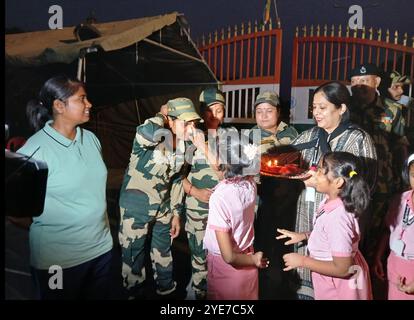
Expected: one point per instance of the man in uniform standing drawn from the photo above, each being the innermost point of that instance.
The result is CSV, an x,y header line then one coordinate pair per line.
x,y
393,89
198,186
382,118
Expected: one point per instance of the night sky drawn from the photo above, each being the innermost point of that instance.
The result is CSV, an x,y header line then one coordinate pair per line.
x,y
208,15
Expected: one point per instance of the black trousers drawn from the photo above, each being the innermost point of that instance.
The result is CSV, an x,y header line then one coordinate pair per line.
x,y
277,209
90,280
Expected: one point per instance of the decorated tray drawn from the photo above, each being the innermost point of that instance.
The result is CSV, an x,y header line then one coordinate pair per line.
x,y
271,167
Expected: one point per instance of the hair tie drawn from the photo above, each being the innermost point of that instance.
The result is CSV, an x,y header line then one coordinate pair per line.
x,y
353,173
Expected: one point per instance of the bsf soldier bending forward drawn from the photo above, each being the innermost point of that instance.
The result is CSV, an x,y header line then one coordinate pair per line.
x,y
152,193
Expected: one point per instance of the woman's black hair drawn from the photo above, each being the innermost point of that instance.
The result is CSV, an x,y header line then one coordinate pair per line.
x,y
337,94
406,170
232,157
355,193
40,110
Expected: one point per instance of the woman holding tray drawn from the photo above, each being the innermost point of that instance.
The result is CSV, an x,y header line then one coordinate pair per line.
x,y
333,132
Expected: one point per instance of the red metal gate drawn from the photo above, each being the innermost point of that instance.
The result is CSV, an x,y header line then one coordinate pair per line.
x,y
246,60
319,57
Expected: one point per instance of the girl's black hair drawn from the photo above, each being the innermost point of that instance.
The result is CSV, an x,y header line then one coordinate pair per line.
x,y
233,160
40,110
406,170
337,94
355,193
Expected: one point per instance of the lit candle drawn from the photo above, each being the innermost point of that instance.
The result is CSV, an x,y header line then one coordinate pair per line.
x,y
275,163
269,163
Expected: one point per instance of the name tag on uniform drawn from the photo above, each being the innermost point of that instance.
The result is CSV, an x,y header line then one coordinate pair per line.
x,y
398,247
310,194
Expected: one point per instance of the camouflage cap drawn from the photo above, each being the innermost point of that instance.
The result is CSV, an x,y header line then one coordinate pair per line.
x,y
396,77
366,69
183,109
269,97
211,96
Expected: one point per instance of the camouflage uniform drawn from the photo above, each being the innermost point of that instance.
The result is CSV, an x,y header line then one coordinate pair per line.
x,y
201,176
406,102
401,153
151,193
284,135
384,122
408,106
408,115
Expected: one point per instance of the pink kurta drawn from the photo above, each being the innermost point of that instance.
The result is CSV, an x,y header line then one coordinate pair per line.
x,y
231,209
401,263
336,234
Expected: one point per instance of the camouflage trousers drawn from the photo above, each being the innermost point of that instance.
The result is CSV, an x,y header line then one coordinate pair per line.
x,y
195,226
136,217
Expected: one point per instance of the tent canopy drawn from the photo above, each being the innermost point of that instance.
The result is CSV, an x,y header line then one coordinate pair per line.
x,y
137,66
61,45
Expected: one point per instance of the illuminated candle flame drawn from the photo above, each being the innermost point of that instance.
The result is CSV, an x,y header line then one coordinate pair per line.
x,y
269,163
275,162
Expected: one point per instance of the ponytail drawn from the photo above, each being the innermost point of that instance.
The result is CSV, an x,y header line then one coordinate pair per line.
x,y
355,193
60,87
234,159
37,114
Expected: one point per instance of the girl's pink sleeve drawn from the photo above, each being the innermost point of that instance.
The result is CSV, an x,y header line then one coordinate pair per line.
x,y
219,214
341,233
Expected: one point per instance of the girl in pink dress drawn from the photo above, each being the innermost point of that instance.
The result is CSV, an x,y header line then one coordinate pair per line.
x,y
231,263
400,236
339,271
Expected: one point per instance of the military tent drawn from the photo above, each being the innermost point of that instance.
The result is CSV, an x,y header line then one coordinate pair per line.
x,y
130,67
